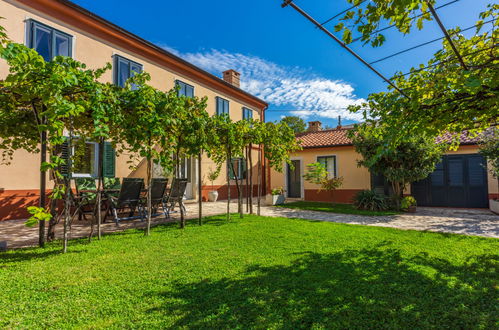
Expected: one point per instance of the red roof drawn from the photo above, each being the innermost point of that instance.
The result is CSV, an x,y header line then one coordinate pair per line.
x,y
325,138
338,137
464,138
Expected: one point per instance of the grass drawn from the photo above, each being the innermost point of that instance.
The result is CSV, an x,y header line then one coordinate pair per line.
x,y
333,208
257,272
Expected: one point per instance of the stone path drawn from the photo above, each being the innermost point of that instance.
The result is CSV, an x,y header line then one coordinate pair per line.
x,y
459,221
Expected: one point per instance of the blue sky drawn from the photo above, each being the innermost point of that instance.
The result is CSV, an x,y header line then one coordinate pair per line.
x,y
282,57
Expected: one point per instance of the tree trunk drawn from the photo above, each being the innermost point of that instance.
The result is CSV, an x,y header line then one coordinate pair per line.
x,y
239,195
43,187
259,178
250,171
228,183
53,220
99,188
177,171
147,232
247,181
200,190
67,202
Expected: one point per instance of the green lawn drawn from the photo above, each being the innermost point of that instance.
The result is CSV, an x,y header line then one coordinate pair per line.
x,y
333,208
257,272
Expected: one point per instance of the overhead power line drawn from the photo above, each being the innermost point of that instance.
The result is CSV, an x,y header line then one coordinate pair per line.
x,y
446,33
446,61
413,18
344,11
427,43
342,44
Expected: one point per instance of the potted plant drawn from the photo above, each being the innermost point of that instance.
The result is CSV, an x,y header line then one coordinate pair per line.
x,y
408,204
278,196
212,176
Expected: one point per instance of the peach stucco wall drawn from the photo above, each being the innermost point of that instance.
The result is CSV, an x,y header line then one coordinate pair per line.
x,y
22,173
355,178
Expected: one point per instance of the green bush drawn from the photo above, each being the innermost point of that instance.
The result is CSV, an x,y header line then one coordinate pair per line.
x,y
370,200
407,202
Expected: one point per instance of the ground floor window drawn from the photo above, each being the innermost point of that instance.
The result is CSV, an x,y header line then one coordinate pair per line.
x,y
86,159
329,163
237,169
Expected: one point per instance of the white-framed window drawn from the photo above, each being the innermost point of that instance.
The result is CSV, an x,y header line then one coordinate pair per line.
x,y
329,163
86,164
239,166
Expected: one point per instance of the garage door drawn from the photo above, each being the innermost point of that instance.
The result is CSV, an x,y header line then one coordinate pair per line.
x,y
458,181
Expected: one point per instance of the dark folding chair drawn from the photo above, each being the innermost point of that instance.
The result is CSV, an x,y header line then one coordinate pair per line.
x,y
158,189
85,197
112,184
127,201
176,196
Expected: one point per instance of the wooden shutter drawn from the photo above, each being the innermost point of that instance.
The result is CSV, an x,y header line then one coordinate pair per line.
x,y
109,161
63,151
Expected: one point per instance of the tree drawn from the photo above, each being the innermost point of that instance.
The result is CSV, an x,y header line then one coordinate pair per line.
x,y
401,163
148,122
295,123
225,143
446,94
190,136
489,148
278,142
317,174
39,101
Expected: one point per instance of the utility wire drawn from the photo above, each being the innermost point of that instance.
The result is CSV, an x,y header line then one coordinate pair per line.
x,y
342,44
427,43
344,11
413,18
446,61
446,34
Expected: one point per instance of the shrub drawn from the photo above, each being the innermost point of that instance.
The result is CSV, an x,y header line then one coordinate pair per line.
x,y
407,202
277,191
370,200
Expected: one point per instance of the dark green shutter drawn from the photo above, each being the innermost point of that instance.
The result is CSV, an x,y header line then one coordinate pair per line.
x,y
62,150
109,161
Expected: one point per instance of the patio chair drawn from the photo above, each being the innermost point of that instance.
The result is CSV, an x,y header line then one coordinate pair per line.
x,y
112,184
128,201
176,196
85,197
158,189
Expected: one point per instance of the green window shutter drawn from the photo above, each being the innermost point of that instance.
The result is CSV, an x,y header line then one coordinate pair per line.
x,y
62,150
109,161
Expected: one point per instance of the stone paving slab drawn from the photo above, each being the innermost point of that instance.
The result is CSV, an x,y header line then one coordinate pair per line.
x,y
458,221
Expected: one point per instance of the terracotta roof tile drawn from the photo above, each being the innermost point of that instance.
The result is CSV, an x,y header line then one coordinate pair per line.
x,y
338,137
325,138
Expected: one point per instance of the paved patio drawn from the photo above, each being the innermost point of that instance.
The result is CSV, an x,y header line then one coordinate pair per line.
x,y
458,221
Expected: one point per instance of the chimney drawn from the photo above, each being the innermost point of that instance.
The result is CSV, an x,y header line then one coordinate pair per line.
x,y
314,126
339,122
232,77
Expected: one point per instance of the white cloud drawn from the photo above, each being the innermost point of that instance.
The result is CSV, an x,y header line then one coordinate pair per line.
x,y
292,88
